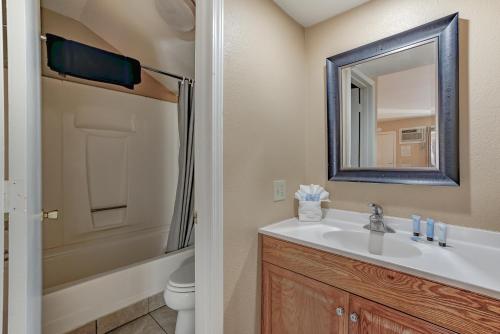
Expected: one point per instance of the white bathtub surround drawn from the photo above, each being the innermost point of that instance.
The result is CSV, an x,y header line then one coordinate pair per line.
x,y
470,261
69,306
71,263
105,150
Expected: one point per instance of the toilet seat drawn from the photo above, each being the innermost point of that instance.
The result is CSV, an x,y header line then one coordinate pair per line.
x,y
182,280
180,290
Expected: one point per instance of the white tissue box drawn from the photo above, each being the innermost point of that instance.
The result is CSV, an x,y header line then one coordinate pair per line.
x,y
310,211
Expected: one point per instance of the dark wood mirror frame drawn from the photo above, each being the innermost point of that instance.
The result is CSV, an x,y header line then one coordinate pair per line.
x,y
445,31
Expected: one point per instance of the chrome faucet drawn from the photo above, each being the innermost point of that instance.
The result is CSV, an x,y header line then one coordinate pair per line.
x,y
377,220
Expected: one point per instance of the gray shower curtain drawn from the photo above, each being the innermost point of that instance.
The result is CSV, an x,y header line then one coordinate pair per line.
x,y
181,233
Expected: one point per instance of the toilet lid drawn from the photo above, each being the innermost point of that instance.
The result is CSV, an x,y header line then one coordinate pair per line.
x,y
184,276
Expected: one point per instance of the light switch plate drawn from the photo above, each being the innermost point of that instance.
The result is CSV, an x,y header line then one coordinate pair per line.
x,y
279,187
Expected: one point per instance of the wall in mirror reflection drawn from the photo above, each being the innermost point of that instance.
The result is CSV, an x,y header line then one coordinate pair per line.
x,y
389,110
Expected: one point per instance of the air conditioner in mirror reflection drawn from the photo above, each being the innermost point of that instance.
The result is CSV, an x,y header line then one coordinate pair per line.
x,y
420,138
412,135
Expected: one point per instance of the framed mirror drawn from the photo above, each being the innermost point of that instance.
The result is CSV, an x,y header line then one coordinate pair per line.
x,y
393,108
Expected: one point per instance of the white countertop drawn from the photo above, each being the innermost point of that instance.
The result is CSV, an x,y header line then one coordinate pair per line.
x,y
471,260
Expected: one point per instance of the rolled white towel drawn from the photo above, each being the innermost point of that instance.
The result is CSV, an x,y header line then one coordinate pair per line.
x,y
312,192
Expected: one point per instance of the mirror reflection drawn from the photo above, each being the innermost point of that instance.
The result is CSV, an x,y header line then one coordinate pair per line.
x,y
389,110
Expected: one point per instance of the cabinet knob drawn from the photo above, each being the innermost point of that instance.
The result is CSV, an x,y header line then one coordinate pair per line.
x,y
340,311
354,317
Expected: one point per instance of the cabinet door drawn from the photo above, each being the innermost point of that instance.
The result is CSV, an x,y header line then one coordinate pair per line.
x,y
295,304
366,317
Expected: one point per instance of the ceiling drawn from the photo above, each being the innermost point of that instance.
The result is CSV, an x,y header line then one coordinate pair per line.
x,y
137,29
406,82
310,12
421,55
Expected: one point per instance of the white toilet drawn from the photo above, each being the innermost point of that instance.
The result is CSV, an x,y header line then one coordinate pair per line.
x,y
179,296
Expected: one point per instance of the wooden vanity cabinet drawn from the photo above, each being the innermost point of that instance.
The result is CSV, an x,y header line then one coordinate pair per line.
x,y
295,304
309,291
372,318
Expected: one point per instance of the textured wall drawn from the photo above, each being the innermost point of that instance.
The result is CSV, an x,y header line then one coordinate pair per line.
x,y
476,202
274,125
264,140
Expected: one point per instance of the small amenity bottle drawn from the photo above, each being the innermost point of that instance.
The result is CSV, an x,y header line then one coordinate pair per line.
x,y
416,225
442,231
430,229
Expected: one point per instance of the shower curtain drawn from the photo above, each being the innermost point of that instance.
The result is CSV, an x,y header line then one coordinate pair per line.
x,y
181,233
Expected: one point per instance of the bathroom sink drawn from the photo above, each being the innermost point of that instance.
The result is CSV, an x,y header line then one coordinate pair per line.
x,y
373,242
470,259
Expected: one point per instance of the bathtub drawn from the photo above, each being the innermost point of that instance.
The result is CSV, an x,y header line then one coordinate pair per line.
x,y
68,306
73,263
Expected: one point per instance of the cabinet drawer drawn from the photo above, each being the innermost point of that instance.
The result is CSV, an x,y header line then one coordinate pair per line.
x,y
452,308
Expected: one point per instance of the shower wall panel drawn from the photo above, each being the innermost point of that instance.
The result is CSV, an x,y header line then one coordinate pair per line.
x,y
110,168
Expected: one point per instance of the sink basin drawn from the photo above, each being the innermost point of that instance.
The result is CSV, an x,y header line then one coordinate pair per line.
x,y
374,242
469,261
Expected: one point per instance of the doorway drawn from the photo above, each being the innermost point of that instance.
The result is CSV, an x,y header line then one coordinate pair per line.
x,y
386,149
25,311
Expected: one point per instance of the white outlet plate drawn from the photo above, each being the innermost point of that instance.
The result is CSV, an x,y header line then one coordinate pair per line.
x,y
279,188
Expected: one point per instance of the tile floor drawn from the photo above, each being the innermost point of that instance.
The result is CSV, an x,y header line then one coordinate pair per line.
x,y
148,316
160,321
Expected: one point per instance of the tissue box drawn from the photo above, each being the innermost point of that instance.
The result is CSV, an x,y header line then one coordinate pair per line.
x,y
310,211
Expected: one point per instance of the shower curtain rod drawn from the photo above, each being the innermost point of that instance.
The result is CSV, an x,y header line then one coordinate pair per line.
x,y
149,68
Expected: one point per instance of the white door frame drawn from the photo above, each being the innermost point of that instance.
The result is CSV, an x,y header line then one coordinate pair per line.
x,y
24,184
208,171
25,252
368,116
2,170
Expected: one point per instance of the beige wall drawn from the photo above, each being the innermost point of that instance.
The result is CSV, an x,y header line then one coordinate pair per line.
x,y
264,140
274,126
475,202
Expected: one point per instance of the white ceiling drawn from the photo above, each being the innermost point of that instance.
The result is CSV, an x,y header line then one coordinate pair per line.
x,y
310,12
421,55
406,82
136,29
